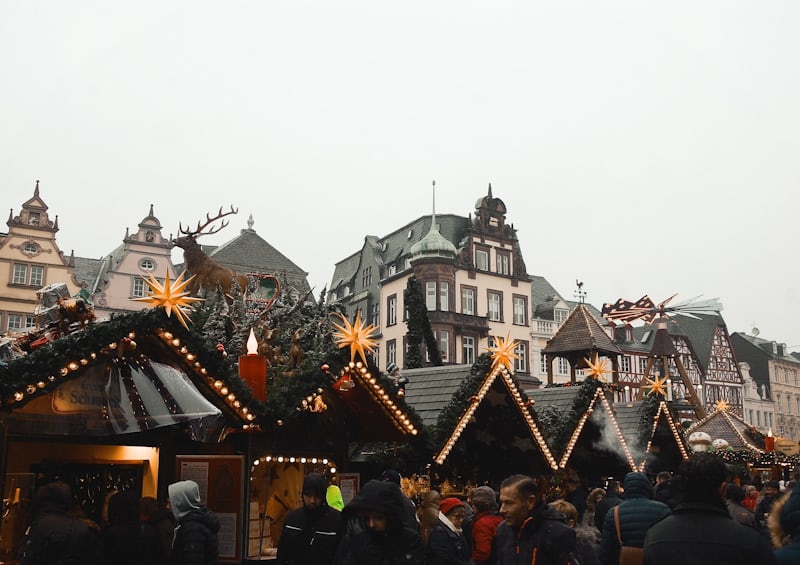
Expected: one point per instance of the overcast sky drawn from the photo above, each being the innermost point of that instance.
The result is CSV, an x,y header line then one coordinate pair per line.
x,y
641,147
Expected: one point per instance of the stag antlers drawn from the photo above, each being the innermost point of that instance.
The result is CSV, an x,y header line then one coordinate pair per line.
x,y
209,220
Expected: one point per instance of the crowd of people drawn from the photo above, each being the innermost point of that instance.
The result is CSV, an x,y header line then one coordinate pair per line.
x,y
699,515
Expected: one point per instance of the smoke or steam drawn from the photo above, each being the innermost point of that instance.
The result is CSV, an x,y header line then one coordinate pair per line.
x,y
609,441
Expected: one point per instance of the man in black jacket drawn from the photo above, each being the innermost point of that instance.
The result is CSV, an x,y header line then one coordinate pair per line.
x,y
700,530
310,533
532,531
611,500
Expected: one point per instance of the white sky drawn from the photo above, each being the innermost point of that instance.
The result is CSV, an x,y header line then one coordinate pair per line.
x,y
641,147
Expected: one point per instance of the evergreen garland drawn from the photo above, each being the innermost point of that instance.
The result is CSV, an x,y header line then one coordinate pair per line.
x,y
648,411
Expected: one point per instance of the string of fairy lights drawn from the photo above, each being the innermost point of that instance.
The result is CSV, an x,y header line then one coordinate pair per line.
x,y
662,409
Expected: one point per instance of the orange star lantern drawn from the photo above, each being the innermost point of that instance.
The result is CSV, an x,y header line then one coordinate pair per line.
x,y
503,353
656,386
171,296
356,336
596,368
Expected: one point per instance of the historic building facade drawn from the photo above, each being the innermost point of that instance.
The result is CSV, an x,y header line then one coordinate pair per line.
x,y
29,260
472,275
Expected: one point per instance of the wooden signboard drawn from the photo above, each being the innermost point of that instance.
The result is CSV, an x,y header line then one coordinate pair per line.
x,y
787,446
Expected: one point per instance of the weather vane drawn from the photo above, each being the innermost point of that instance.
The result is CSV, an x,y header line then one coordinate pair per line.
x,y
580,294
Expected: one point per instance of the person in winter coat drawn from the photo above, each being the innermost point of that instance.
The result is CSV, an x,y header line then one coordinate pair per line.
x,y
531,531
750,498
447,544
159,517
611,500
429,513
126,540
700,530
784,527
310,533
769,494
375,530
54,537
484,523
596,495
636,514
587,538
734,496
195,541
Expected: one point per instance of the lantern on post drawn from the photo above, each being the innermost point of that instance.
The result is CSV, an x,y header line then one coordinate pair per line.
x,y
253,369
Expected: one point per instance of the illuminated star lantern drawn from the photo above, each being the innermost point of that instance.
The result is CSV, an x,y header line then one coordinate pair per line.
x,y
597,368
356,336
657,386
721,405
503,353
171,296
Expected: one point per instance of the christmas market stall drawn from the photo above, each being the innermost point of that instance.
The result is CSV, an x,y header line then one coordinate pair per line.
x,y
244,403
752,455
484,426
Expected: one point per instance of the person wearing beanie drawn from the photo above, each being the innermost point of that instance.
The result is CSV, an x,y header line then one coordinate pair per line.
x,y
447,544
375,530
784,527
531,531
700,530
484,523
310,534
635,515
195,541
770,493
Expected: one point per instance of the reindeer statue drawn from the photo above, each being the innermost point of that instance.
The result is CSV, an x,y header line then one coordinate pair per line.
x,y
208,274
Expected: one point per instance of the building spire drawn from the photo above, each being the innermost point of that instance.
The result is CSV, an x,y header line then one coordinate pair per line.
x,y
433,214
490,190
36,190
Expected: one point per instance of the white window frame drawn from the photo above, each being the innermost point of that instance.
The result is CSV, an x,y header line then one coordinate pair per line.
x,y
482,259
391,352
468,300
138,287
563,366
20,274
625,365
468,349
147,265
430,295
494,312
521,364
444,345
36,277
444,296
14,322
391,307
503,261
520,311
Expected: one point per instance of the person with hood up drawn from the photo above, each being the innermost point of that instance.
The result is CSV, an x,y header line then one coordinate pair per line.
x,y
54,536
375,530
784,527
700,530
484,523
630,520
195,541
531,531
310,533
447,544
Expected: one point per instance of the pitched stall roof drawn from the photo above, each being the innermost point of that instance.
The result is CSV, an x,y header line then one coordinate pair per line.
x,y
430,389
629,417
722,424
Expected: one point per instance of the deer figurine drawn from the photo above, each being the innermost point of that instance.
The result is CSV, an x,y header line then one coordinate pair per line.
x,y
207,272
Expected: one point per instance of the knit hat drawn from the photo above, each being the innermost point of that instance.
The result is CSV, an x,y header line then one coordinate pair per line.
x,y
391,367
449,504
391,476
315,484
380,496
790,514
484,497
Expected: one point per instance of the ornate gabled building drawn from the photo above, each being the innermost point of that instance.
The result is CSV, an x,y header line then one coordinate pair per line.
x,y
29,260
704,348
114,280
472,275
776,372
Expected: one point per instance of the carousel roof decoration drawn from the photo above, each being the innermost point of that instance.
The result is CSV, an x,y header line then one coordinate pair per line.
x,y
502,354
358,337
171,296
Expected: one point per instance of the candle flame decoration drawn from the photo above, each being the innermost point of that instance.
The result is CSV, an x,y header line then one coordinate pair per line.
x,y
252,343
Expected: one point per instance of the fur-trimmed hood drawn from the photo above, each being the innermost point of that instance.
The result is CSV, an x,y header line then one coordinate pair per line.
x,y
784,518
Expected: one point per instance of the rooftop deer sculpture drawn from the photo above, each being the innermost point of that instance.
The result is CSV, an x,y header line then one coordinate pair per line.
x,y
208,274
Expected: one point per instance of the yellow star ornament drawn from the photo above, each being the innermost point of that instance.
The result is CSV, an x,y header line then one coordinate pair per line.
x,y
721,405
171,296
656,385
357,336
503,353
596,368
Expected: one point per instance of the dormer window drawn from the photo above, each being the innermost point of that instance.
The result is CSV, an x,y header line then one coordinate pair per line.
x,y
559,315
30,248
